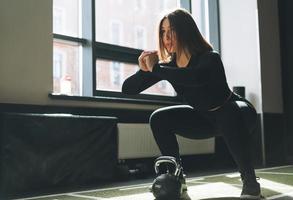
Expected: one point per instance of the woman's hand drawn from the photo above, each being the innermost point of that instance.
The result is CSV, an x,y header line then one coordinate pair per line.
x,y
151,60
147,59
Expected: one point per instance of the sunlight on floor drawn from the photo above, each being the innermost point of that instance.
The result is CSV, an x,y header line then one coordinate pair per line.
x,y
212,190
208,190
276,183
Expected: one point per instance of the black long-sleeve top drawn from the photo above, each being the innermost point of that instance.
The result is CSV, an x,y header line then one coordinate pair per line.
x,y
202,83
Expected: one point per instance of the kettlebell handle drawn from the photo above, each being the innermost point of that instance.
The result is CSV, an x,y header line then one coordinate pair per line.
x,y
167,159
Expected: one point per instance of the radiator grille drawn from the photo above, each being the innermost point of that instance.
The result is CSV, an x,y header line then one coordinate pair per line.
x,y
136,141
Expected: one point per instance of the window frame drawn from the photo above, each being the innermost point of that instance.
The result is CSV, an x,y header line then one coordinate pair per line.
x,y
93,50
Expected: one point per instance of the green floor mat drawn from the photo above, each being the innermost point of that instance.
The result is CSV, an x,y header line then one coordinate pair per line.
x,y
276,183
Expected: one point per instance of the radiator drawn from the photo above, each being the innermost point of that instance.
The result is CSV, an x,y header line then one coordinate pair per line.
x,y
136,141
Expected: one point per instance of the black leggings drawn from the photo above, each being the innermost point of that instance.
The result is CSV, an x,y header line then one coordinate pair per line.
x,y
235,121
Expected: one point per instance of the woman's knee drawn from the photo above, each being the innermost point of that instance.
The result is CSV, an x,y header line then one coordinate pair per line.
x,y
249,115
170,113
158,117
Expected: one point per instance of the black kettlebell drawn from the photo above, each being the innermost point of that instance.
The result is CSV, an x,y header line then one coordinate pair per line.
x,y
167,185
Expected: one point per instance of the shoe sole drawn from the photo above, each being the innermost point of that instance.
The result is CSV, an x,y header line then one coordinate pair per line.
x,y
253,197
184,187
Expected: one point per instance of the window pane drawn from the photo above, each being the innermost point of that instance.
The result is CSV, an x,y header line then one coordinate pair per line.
x,y
200,15
111,75
66,17
130,23
66,68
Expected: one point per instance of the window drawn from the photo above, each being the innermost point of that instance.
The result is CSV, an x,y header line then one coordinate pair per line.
x,y
140,37
116,73
66,16
58,19
167,4
97,43
58,63
139,5
111,74
66,50
115,32
66,68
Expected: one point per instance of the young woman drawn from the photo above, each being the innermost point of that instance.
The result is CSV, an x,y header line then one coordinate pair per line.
x,y
196,72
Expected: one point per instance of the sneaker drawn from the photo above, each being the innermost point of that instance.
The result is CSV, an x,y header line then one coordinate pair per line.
x,y
151,188
250,190
183,182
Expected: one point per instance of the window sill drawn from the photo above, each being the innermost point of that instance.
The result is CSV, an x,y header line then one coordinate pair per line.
x,y
58,96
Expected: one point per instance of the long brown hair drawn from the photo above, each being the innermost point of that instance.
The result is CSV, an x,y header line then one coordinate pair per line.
x,y
187,33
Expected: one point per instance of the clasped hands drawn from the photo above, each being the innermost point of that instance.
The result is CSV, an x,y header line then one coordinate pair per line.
x,y
147,60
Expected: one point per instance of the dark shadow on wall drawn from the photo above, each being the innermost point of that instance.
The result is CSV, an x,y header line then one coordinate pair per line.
x,y
286,39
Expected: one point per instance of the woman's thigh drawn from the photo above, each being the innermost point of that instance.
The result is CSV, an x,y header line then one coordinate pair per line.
x,y
183,120
235,117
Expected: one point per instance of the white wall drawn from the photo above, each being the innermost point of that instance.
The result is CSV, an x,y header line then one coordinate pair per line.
x,y
25,51
239,46
250,50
